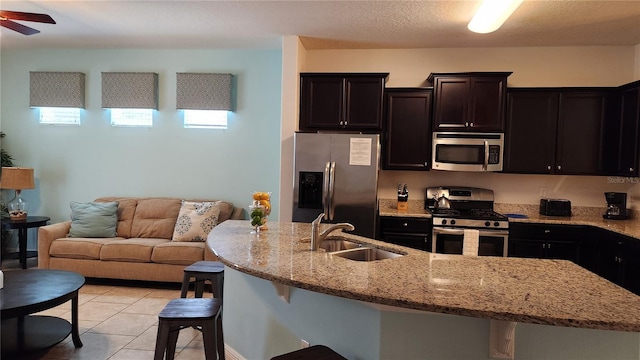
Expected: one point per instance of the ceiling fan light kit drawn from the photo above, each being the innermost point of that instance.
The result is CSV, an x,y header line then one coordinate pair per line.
x,y
492,14
7,20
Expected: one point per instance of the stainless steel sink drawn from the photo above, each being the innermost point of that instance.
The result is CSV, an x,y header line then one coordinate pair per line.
x,y
365,253
338,243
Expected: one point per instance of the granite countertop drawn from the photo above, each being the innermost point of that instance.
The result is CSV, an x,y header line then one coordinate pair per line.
x,y
553,292
580,216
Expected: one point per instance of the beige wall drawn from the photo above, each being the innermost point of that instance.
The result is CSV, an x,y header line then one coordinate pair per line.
x,y
547,66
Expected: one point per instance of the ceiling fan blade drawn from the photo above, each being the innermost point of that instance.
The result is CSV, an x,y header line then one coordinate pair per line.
x,y
18,27
25,16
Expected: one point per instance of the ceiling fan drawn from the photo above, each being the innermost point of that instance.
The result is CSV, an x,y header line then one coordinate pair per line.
x,y
7,17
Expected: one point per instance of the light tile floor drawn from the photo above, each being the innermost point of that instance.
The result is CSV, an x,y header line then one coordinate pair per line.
x,y
118,321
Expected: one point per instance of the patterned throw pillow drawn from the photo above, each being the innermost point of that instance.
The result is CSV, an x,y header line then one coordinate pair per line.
x,y
195,221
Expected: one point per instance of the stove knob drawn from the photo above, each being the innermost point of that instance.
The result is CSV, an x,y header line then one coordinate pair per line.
x,y
487,223
453,222
496,224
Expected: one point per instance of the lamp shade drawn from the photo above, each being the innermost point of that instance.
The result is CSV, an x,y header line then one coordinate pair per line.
x,y
203,91
56,89
129,90
17,178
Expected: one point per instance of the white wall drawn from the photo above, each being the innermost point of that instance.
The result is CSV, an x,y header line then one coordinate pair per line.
x,y
95,159
535,67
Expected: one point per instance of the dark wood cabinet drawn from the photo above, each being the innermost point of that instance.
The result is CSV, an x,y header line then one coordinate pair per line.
x,y
407,129
544,241
555,131
620,148
619,259
406,231
333,101
469,101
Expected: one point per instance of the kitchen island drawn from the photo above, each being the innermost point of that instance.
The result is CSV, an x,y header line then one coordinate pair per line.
x,y
469,290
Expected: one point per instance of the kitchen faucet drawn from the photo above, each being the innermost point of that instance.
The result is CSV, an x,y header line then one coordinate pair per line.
x,y
317,236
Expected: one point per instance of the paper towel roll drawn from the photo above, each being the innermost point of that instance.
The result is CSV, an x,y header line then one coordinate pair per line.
x,y
470,242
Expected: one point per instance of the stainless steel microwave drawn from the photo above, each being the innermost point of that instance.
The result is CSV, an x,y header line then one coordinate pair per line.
x,y
467,151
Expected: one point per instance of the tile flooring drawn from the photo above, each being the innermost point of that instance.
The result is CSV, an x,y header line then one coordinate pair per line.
x,y
118,321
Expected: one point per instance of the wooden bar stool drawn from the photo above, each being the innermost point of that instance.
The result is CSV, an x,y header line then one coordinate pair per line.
x,y
212,271
181,313
315,352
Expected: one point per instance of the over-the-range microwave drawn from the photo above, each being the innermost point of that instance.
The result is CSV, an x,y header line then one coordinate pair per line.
x,y
467,151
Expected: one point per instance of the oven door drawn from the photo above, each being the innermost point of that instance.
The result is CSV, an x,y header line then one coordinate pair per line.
x,y
448,240
467,151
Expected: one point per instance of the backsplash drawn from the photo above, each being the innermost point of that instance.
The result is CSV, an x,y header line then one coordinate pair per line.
x,y
582,191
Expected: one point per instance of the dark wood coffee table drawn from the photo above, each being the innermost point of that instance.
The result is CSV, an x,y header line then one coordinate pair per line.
x,y
30,291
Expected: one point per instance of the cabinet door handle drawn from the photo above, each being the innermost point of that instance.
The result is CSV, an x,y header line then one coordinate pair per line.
x,y
548,167
405,224
466,124
470,124
559,167
546,231
426,164
630,169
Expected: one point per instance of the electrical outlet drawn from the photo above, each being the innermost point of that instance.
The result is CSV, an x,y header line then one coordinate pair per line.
x,y
304,344
543,192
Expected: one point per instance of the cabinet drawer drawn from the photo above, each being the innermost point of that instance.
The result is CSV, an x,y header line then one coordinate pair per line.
x,y
546,231
403,224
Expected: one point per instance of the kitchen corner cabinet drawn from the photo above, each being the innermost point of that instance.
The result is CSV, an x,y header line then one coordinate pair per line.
x,y
407,129
406,231
555,131
621,131
619,259
341,101
469,101
544,241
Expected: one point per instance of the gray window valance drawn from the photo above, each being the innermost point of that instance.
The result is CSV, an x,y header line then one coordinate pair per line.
x,y
130,90
56,89
203,91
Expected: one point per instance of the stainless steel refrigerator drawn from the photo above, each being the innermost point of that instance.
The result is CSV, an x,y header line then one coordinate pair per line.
x,y
337,174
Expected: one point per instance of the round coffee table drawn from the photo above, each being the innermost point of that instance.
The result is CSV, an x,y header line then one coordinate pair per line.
x,y
30,291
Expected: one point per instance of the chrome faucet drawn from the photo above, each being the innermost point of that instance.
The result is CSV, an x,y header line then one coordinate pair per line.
x,y
317,236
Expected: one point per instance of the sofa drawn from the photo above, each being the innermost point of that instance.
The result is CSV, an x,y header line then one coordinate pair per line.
x,y
139,244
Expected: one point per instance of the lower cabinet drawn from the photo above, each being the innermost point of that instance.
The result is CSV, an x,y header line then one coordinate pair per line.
x,y
619,259
543,241
406,231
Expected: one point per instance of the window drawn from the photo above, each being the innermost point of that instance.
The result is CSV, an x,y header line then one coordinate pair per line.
x,y
59,116
206,119
131,117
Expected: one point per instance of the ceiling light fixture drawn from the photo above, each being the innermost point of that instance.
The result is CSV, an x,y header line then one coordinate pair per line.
x,y
492,14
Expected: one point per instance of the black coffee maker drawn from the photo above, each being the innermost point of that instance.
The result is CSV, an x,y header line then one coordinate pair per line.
x,y
616,206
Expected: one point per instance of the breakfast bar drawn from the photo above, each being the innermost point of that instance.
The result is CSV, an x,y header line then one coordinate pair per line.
x,y
440,289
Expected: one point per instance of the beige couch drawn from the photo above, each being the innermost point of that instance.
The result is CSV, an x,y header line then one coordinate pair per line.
x,y
142,250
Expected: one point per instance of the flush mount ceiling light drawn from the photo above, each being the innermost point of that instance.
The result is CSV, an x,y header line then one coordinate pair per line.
x,y
492,14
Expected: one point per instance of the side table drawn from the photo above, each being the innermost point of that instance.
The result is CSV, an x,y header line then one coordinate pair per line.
x,y
22,226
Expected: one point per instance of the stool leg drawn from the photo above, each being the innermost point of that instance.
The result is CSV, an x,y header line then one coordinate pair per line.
x,y
172,341
209,339
219,336
185,285
199,287
161,340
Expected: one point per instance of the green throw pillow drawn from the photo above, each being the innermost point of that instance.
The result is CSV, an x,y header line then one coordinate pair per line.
x,y
94,219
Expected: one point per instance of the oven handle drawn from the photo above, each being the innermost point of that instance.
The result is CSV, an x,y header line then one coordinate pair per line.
x,y
460,231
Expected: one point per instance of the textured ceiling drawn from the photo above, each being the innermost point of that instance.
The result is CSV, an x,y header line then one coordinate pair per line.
x,y
320,24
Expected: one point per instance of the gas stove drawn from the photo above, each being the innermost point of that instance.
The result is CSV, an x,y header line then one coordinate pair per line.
x,y
469,208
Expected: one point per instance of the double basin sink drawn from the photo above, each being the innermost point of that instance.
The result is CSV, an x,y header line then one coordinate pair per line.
x,y
342,247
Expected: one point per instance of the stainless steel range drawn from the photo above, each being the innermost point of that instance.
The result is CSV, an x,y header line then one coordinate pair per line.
x,y
464,220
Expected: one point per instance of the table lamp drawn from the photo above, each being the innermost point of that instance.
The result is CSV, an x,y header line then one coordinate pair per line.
x,y
17,179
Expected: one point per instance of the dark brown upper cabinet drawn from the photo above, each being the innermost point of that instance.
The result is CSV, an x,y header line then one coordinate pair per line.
x,y
406,141
341,101
556,130
473,101
621,132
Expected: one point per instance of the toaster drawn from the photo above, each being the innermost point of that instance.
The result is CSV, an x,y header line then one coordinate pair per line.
x,y
555,207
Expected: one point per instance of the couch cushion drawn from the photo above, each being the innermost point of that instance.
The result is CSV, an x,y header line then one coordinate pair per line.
x,y
195,221
155,218
178,253
126,210
93,219
78,248
134,249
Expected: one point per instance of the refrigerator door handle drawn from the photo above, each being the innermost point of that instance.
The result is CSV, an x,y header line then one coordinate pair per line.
x,y
325,191
332,185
